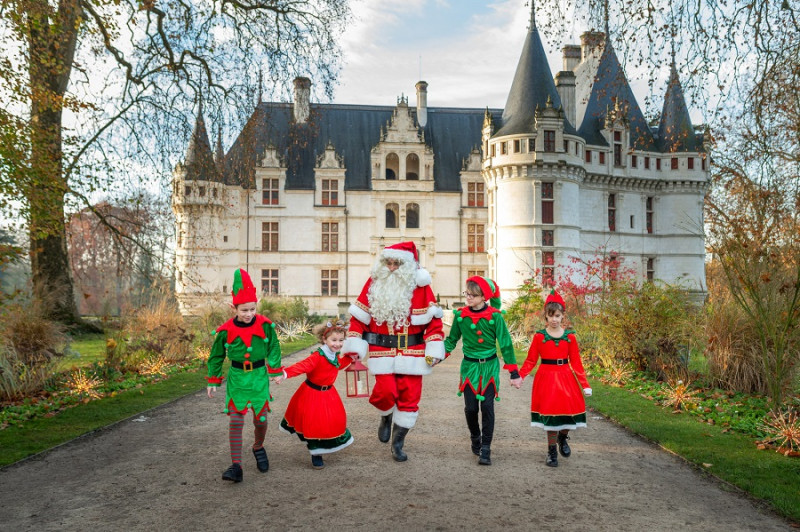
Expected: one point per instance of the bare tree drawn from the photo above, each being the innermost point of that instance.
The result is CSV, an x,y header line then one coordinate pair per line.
x,y
95,91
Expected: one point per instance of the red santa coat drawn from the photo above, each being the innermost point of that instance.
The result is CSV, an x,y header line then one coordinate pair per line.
x,y
425,317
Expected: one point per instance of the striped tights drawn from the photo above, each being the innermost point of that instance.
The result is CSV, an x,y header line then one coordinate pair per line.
x,y
235,426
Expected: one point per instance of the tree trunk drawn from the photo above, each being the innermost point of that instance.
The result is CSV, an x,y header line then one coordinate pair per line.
x,y
51,49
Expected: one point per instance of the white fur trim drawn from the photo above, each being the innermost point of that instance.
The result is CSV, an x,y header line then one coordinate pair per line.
x,y
399,254
422,277
316,452
587,392
405,419
424,319
435,349
386,412
400,364
355,345
572,426
360,314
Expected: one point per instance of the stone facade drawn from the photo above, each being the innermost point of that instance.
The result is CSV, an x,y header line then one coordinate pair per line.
x,y
308,194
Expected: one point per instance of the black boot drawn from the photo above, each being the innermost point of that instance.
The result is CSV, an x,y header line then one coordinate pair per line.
x,y
398,439
385,428
476,443
317,462
485,456
261,459
233,473
563,446
552,456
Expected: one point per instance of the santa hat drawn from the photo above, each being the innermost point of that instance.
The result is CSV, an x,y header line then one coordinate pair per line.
x,y
555,297
243,290
407,252
489,289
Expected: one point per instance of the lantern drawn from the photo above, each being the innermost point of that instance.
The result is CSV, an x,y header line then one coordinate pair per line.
x,y
357,378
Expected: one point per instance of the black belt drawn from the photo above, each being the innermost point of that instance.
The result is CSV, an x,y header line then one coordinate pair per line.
x,y
247,365
555,361
317,386
401,341
480,360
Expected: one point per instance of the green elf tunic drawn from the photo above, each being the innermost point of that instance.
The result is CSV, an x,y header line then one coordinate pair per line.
x,y
481,332
256,344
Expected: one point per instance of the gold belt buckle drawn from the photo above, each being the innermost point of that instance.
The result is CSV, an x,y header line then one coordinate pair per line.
x,y
247,366
402,341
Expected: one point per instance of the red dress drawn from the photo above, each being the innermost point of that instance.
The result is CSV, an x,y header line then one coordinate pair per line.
x,y
317,415
557,396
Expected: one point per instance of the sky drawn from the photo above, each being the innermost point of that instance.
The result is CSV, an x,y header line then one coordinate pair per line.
x,y
466,50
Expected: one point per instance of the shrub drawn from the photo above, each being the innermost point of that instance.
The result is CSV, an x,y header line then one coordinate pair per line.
x,y
284,309
18,379
156,331
33,339
732,354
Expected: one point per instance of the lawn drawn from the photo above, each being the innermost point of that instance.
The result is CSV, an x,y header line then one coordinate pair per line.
x,y
41,433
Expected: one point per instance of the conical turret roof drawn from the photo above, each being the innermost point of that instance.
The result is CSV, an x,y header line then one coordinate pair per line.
x,y
532,86
609,90
199,160
675,131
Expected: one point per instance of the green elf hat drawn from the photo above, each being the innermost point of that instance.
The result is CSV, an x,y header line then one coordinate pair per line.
x,y
489,289
243,290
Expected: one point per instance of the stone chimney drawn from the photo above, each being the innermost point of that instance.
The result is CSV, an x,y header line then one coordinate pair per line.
x,y
591,41
422,103
302,97
565,85
571,55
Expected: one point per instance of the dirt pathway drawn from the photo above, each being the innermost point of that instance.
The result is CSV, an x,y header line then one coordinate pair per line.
x,y
161,471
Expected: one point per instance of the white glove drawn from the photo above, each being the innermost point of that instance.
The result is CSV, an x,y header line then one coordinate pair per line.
x,y
587,392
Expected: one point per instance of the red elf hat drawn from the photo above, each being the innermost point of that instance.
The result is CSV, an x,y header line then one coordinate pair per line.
x,y
555,297
243,290
489,289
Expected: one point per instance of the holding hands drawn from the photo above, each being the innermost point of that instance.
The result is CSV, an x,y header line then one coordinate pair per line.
x,y
210,391
517,383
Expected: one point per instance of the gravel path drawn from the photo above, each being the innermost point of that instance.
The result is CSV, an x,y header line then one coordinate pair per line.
x,y
161,471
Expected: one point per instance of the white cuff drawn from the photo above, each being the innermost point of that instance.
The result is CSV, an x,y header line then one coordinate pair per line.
x,y
360,314
587,392
355,345
435,349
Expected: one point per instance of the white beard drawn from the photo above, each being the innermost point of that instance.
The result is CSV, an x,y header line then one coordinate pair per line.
x,y
390,294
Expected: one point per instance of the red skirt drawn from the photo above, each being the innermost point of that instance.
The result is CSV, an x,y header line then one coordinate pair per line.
x,y
316,414
557,399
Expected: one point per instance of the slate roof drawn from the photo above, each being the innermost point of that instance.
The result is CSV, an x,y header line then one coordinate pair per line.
x,y
675,130
533,84
353,130
610,85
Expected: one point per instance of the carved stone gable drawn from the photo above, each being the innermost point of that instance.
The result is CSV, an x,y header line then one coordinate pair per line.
x,y
271,159
329,158
402,127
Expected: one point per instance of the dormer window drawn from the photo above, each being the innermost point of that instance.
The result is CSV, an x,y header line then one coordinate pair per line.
x,y
549,140
617,148
392,166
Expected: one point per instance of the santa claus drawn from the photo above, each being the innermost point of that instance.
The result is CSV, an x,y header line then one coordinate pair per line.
x,y
397,322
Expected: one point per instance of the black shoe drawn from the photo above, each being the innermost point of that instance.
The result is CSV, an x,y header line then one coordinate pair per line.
x,y
476,444
385,428
563,446
552,456
233,473
316,461
398,439
261,459
485,456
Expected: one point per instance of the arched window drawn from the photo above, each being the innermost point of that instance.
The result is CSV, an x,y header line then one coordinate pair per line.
x,y
392,215
412,167
412,216
392,166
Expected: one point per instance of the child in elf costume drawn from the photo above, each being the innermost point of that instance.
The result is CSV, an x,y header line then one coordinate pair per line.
x,y
481,327
557,404
315,412
249,341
